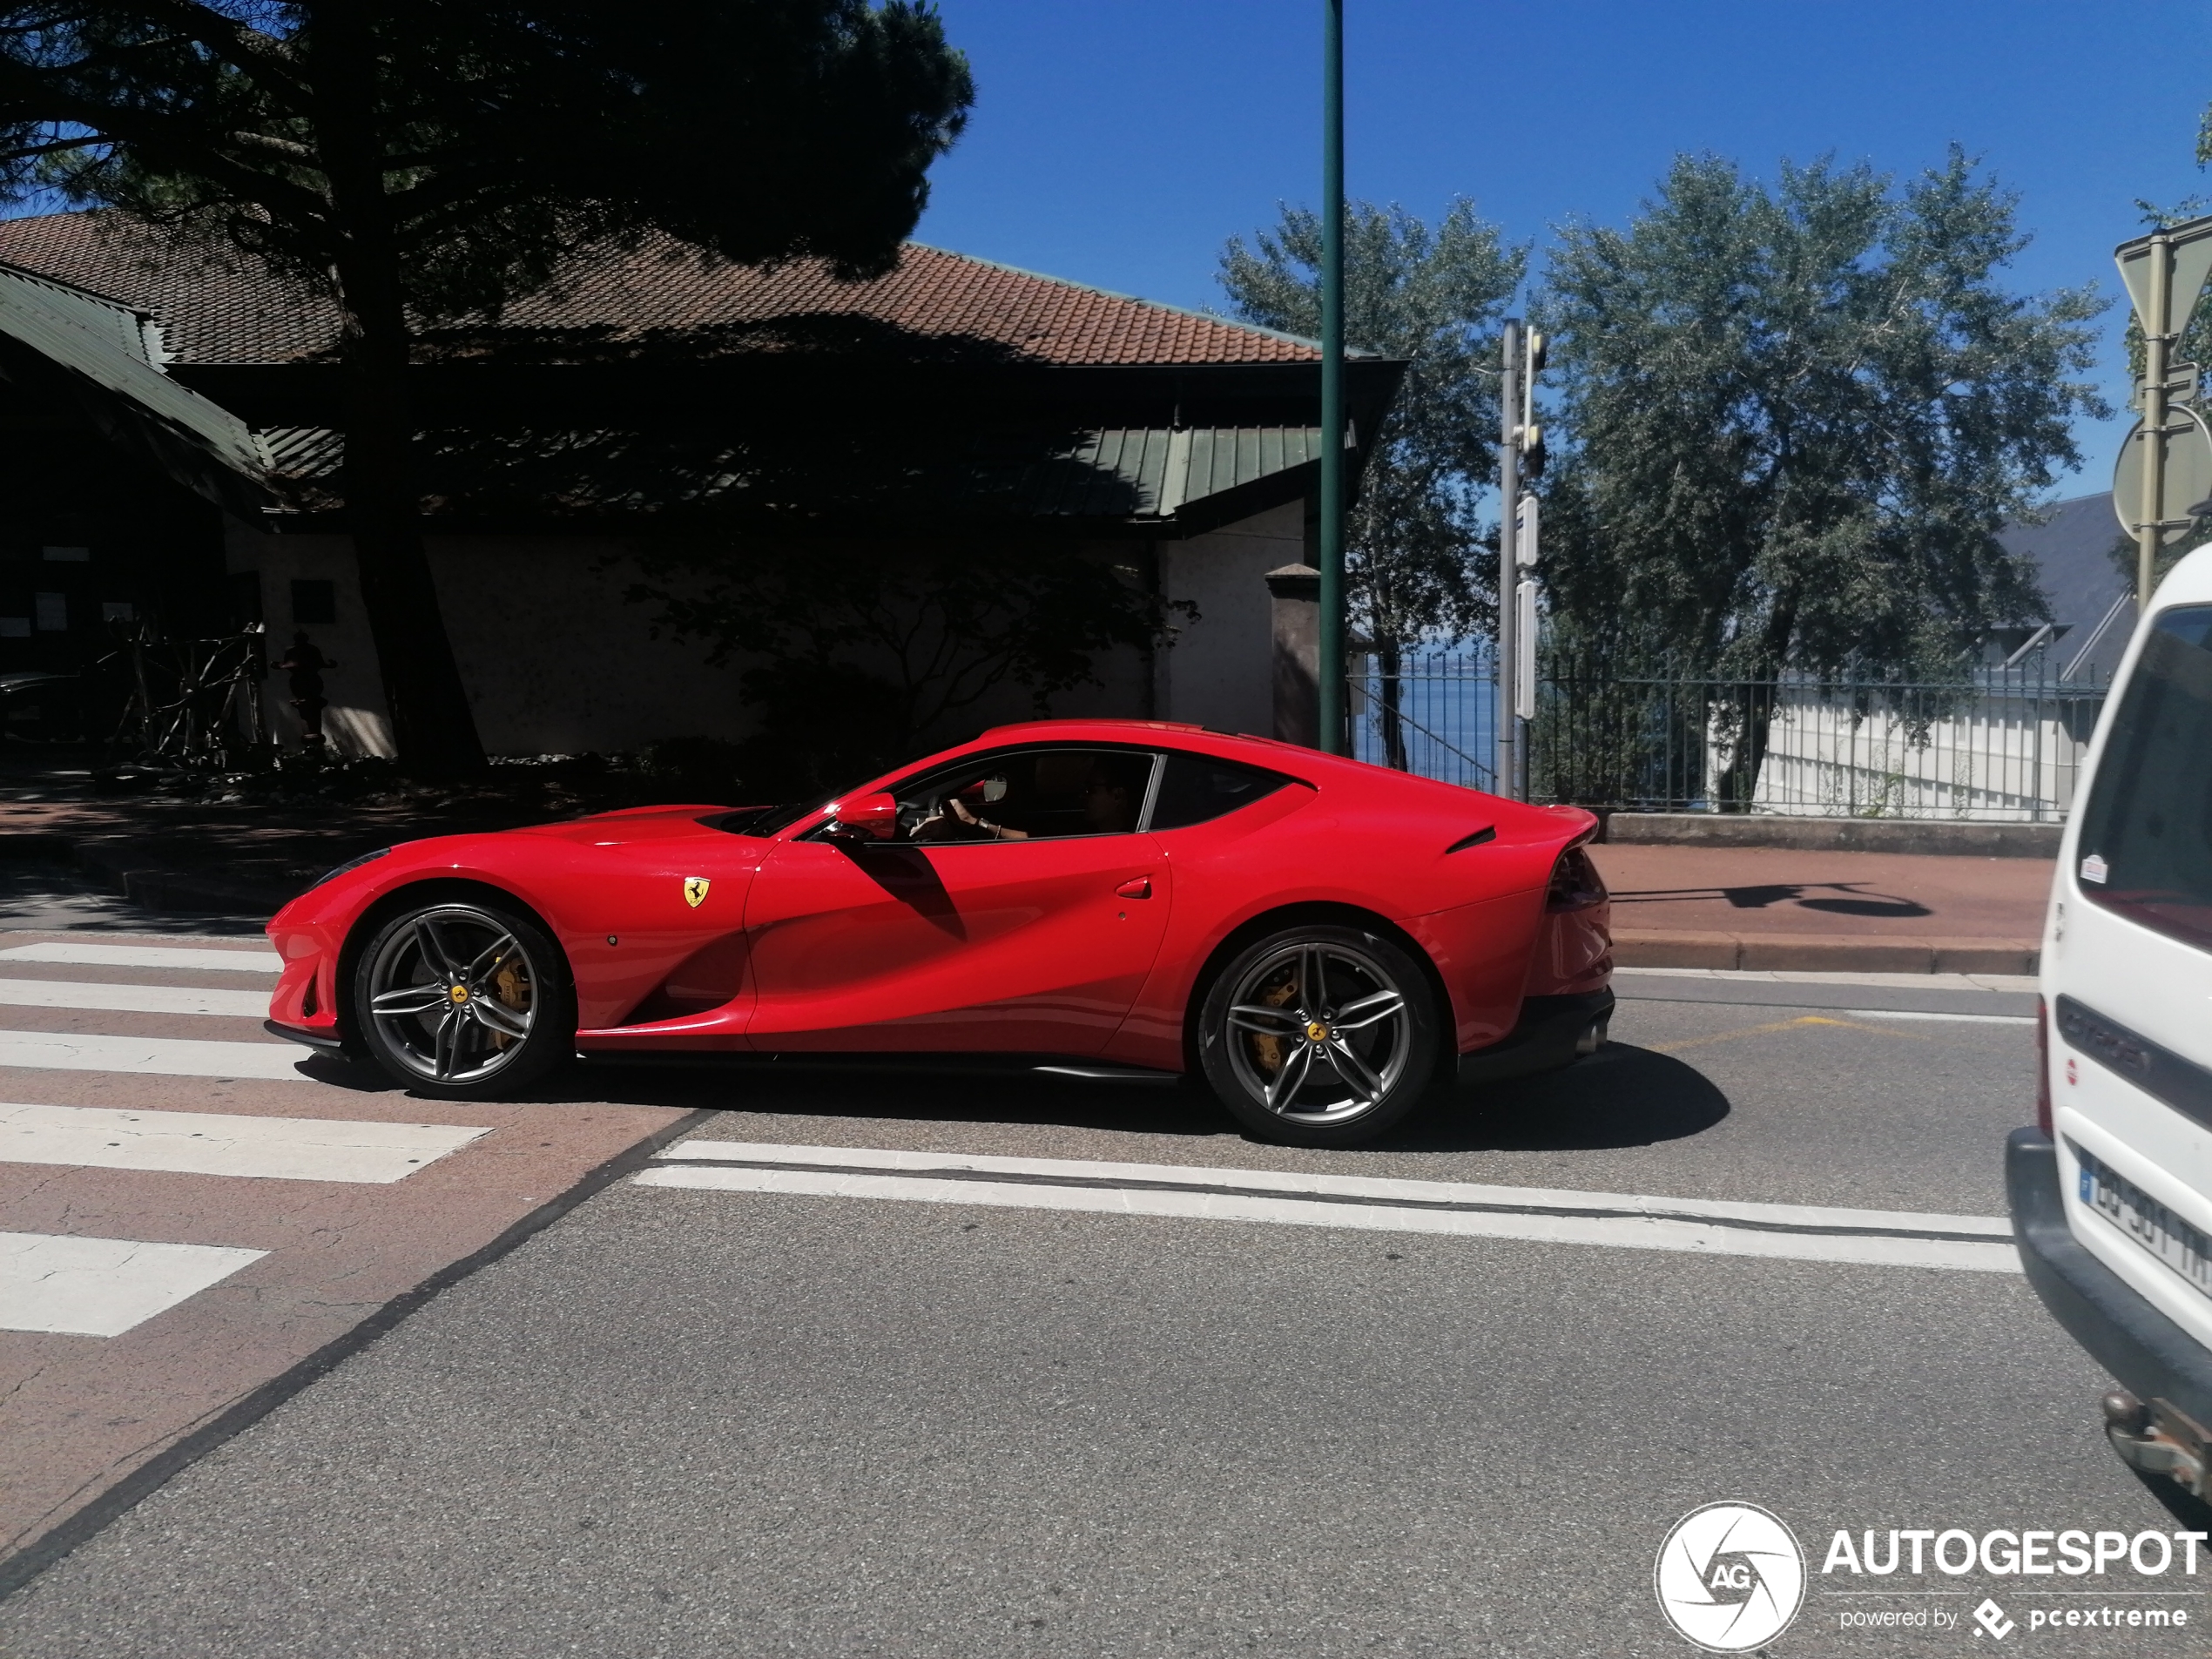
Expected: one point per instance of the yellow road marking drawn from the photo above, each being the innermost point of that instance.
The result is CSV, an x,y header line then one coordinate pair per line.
x,y
1781,1025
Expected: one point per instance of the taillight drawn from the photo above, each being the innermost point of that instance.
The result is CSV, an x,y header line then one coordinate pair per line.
x,y
2043,1067
1575,884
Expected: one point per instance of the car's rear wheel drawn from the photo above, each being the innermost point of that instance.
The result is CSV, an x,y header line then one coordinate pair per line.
x,y
1319,1036
462,1000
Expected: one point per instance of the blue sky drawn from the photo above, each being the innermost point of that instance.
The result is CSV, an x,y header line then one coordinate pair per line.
x,y
1119,142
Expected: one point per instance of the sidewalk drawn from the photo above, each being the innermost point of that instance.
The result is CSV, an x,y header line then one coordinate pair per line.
x,y
1766,907
232,856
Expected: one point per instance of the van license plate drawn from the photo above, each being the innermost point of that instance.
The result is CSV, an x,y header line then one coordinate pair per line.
x,y
2150,1224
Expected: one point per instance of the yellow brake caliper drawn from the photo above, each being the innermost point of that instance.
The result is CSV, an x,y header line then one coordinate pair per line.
x,y
513,985
1267,1052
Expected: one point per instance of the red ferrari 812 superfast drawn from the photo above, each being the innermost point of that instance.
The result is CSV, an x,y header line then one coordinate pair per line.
x,y
1323,942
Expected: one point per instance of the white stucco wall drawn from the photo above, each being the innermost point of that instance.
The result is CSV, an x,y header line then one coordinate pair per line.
x,y
556,661
1218,674
354,721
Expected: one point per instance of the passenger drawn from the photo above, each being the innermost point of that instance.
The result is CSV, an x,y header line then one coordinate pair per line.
x,y
1107,805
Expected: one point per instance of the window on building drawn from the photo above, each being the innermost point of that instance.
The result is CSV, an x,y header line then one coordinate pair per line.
x,y
53,611
15,627
67,555
313,601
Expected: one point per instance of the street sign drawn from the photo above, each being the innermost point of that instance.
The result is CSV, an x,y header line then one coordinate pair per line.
x,y
1527,529
2190,249
2165,274
2185,480
1524,677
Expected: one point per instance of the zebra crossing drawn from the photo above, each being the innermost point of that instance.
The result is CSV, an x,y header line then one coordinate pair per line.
x,y
193,1211
95,1286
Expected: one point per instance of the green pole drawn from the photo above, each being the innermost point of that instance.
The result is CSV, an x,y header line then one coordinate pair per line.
x,y
1332,664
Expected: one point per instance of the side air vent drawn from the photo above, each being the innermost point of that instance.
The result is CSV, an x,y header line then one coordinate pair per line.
x,y
1488,833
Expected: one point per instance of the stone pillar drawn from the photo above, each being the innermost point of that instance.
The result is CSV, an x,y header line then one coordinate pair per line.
x,y
1296,590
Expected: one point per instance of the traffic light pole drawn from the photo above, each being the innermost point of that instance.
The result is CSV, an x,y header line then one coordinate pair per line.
x,y
2150,530
1333,687
1507,763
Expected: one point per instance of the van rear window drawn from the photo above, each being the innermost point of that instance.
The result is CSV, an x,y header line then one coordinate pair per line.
x,y
2145,844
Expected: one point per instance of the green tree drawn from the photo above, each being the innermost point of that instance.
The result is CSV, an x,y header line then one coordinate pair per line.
x,y
420,161
1414,567
1799,416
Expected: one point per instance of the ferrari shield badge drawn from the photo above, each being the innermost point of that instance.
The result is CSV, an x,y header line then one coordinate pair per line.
x,y
695,888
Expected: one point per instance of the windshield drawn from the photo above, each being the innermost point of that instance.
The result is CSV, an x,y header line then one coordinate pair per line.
x,y
2146,841
774,820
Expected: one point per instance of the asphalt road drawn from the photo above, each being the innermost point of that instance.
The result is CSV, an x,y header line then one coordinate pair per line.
x,y
697,1422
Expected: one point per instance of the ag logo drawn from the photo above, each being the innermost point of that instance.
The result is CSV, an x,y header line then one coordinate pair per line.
x,y
1731,1577
695,888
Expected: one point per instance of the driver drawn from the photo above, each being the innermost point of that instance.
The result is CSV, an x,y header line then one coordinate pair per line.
x,y
1109,806
955,820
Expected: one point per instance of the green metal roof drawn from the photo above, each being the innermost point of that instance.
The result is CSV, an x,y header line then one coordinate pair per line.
x,y
1151,472
110,351
1123,475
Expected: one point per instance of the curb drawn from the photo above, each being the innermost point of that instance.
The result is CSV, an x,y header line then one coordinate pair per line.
x,y
1913,835
1852,952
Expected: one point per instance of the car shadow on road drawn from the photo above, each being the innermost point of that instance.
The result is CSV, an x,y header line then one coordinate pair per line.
x,y
929,1092
1621,1097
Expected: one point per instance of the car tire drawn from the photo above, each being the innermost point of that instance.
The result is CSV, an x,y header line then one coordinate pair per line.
x,y
464,1000
1339,1067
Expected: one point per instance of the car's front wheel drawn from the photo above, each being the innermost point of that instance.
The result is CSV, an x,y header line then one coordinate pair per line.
x,y
1319,1036
462,1000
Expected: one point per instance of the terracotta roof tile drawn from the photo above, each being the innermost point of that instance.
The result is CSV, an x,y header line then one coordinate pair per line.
x,y
231,309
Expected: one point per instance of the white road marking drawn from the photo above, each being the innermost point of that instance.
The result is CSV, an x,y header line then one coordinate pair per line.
x,y
1804,1232
132,999
288,1149
1794,976
101,1287
1914,1014
252,960
169,1056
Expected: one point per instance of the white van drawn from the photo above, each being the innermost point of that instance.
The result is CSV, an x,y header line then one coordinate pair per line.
x,y
2111,1192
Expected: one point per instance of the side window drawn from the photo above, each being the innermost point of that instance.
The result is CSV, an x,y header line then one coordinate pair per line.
x,y
1197,787
1030,795
2145,843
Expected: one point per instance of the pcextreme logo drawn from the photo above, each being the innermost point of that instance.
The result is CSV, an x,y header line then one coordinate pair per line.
x,y
1729,1577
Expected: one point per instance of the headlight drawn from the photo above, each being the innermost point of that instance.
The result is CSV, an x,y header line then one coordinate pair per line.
x,y
352,864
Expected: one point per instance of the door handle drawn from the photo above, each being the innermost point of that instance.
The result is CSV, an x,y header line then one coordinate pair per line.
x,y
1136,887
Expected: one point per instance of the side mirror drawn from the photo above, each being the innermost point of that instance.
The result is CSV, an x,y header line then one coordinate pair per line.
x,y
872,818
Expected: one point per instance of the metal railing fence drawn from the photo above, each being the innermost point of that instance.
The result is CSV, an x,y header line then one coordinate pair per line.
x,y
1433,713
1991,743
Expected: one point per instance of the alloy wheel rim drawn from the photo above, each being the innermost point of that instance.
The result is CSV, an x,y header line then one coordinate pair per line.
x,y
1317,1034
454,995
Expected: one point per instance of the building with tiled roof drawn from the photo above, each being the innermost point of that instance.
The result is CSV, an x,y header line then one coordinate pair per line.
x,y
217,310
648,391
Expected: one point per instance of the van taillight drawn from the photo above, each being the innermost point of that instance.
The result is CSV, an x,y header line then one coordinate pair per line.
x,y
1575,884
2043,1067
